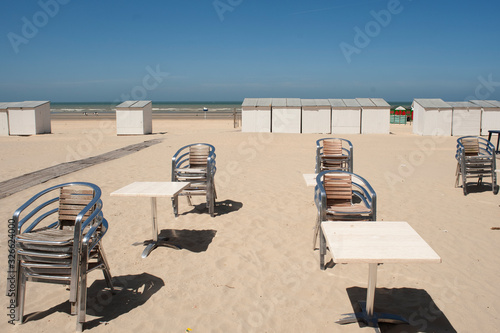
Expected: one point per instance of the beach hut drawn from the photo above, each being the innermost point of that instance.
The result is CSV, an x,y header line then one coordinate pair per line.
x,y
398,115
29,117
248,114
4,119
346,116
431,117
134,117
466,119
316,116
256,115
286,115
375,115
490,115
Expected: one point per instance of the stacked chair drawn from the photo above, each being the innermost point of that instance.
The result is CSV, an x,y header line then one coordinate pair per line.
x,y
475,159
58,240
195,163
333,154
342,196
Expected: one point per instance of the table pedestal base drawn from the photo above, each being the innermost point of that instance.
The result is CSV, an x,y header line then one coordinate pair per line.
x,y
367,314
372,320
154,244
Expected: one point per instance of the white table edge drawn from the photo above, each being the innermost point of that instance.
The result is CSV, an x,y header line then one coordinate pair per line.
x,y
118,193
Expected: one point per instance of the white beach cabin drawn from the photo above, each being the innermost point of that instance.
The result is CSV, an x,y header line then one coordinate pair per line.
x,y
466,119
134,117
316,116
346,116
248,114
4,119
286,115
375,115
431,116
490,115
256,115
29,117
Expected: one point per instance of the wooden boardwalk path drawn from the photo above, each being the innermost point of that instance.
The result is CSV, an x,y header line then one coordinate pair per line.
x,y
28,180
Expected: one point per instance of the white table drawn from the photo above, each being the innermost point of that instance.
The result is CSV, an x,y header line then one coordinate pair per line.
x,y
373,243
152,190
310,178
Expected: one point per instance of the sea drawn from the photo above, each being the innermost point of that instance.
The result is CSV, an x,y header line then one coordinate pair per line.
x,y
90,108
158,107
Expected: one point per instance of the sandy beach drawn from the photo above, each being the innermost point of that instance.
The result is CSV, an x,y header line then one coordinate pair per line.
x,y
252,268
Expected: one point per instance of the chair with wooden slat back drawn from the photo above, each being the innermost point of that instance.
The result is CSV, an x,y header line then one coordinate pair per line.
x,y
334,154
342,196
476,158
198,155
62,250
195,163
71,203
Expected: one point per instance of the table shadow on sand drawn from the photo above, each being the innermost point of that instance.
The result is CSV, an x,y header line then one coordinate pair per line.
x,y
415,305
221,208
191,240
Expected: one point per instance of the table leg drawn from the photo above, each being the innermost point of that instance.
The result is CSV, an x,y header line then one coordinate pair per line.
x,y
154,213
154,243
370,292
156,238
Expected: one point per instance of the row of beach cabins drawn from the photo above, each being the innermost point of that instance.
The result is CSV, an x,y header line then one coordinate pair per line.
x,y
290,115
33,117
367,116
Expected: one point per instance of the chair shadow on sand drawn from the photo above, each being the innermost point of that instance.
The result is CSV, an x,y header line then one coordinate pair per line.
x,y
221,208
474,187
415,305
132,292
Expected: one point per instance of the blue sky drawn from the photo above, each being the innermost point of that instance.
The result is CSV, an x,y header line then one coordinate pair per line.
x,y
226,50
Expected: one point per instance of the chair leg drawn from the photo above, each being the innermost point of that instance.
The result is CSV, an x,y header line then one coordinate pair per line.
x,y
322,250
211,207
106,272
21,297
316,230
457,173
189,200
464,180
81,302
493,180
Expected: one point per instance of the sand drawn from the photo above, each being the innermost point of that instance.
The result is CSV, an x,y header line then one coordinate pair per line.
x,y
252,267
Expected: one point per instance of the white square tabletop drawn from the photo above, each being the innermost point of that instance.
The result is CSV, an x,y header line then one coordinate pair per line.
x,y
376,242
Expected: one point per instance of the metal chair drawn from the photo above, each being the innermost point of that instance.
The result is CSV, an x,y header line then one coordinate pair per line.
x,y
195,163
342,196
333,154
59,241
475,159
